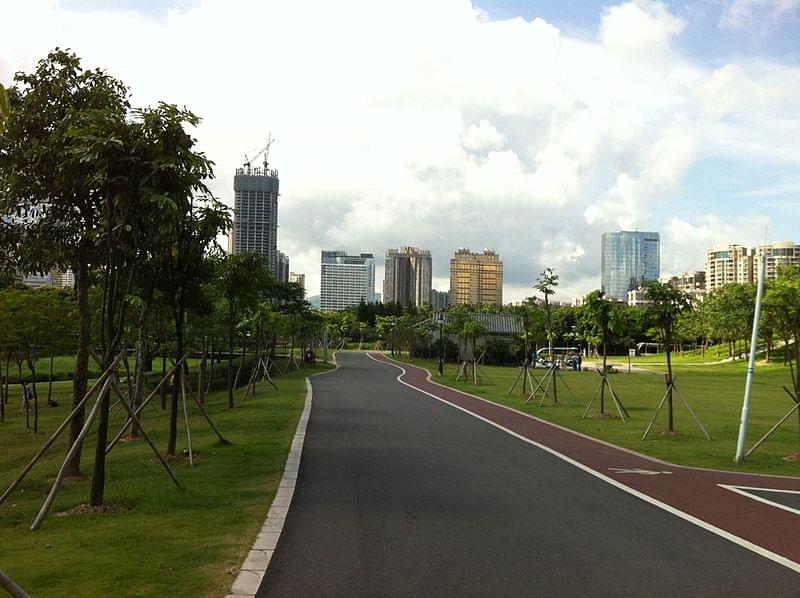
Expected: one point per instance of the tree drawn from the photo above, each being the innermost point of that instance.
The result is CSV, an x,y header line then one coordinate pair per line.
x,y
546,284
602,317
243,274
189,222
55,198
782,304
5,107
667,305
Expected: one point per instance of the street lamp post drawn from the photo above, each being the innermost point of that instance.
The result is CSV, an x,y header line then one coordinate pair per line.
x,y
441,344
394,336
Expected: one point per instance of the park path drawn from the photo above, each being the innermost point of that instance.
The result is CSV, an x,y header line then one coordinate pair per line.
x,y
399,494
758,511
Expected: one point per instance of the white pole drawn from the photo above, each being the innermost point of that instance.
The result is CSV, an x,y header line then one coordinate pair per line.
x,y
748,388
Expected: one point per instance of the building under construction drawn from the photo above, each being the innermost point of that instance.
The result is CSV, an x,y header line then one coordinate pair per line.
x,y
255,212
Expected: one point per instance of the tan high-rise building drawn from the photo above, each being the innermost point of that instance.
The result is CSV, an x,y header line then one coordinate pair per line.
x,y
476,278
738,264
777,256
691,283
727,265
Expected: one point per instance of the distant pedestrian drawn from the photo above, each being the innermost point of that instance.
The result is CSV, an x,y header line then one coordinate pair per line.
x,y
27,396
578,361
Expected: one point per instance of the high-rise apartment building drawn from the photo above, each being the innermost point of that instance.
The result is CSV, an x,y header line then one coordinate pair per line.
x,y
255,214
476,278
346,280
776,256
407,278
738,264
298,278
439,299
629,259
282,274
728,264
691,283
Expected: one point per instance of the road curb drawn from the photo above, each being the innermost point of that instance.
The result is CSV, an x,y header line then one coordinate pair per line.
x,y
252,571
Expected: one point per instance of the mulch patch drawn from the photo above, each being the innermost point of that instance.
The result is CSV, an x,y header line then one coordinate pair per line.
x,y
84,508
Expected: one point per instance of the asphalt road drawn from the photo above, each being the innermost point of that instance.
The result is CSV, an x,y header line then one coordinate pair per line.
x,y
401,495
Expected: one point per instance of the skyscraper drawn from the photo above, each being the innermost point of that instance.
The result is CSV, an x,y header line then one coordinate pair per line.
x,y
255,213
476,278
282,275
407,279
346,280
629,259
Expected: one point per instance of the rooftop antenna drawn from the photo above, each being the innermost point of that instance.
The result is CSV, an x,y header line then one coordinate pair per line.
x,y
264,150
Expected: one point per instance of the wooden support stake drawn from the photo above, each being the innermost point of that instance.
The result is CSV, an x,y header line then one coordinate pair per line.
x,y
58,431
12,588
72,451
186,421
142,406
133,417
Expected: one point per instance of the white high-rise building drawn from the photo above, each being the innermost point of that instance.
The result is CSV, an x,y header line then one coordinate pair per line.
x,y
346,280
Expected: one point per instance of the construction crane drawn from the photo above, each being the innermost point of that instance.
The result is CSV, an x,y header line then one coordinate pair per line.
x,y
264,150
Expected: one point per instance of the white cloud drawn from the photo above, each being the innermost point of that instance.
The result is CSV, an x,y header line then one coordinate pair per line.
x,y
758,14
424,123
640,25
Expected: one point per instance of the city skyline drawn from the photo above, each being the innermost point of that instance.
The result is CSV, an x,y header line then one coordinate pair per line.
x,y
528,127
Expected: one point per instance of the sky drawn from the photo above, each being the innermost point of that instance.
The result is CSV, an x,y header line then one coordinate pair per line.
x,y
526,127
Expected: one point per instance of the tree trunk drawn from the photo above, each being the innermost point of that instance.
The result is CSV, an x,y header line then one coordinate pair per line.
x,y
139,367
211,368
230,355
603,383
176,387
99,472
81,379
164,373
669,391
201,383
32,369
50,381
4,391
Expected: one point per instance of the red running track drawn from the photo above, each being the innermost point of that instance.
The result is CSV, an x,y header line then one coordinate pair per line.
x,y
693,494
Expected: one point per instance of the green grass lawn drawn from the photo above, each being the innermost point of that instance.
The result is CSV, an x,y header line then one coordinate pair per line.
x,y
715,393
175,542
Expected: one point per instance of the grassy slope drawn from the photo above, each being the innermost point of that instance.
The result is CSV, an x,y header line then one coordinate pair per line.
x,y
172,542
715,393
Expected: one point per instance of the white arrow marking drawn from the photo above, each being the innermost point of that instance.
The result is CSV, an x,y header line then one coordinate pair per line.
x,y
639,471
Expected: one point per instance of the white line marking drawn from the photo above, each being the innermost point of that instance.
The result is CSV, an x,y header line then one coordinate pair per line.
x,y
743,490
759,550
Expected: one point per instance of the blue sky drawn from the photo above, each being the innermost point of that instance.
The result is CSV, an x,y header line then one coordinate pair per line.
x,y
421,122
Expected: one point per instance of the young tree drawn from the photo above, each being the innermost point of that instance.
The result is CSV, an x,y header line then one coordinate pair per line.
x,y
243,274
188,223
546,285
55,198
667,305
782,306
602,317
